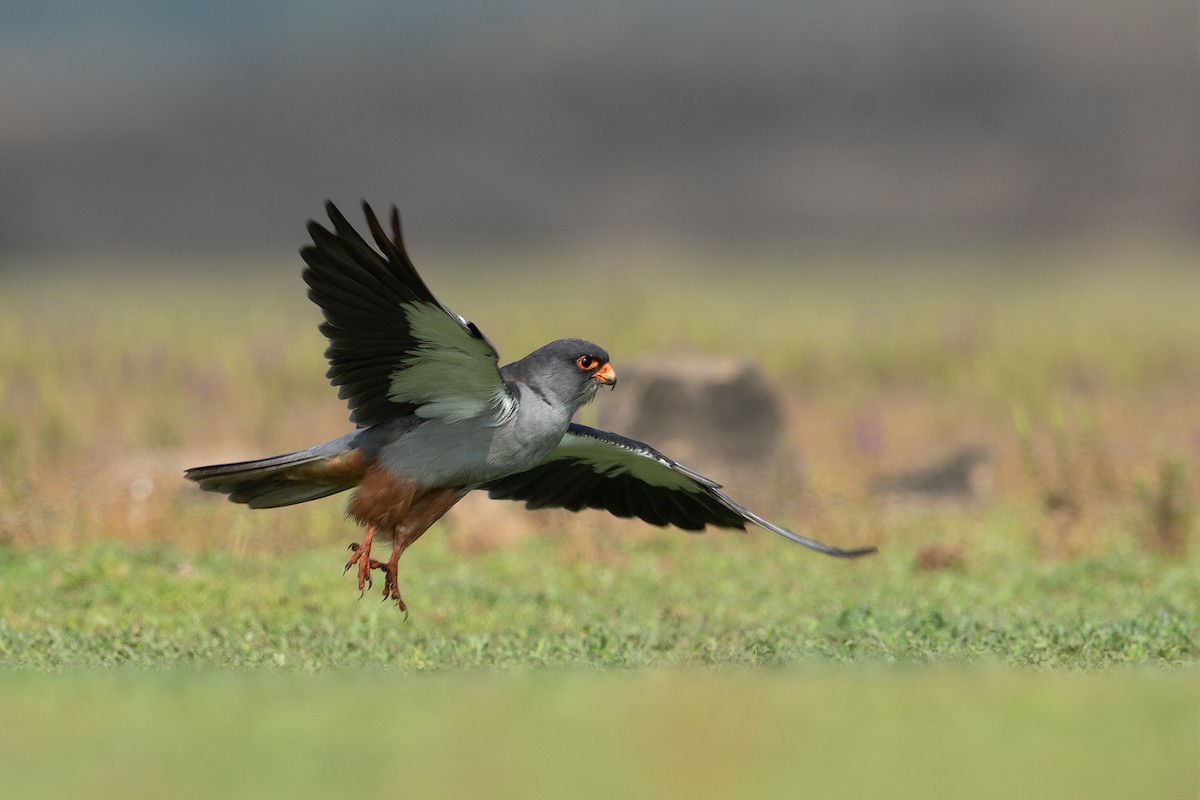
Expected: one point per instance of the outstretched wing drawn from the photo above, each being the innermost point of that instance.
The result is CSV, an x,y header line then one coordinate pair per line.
x,y
393,348
596,469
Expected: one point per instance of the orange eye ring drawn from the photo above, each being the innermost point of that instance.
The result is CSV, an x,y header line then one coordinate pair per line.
x,y
586,363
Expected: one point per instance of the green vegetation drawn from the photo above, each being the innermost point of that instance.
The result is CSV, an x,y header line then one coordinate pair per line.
x,y
1040,640
657,601
661,666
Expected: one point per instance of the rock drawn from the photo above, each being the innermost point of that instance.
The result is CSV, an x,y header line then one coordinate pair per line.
x,y
714,413
941,557
965,474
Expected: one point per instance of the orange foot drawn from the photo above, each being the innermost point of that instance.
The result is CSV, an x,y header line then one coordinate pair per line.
x,y
362,557
391,586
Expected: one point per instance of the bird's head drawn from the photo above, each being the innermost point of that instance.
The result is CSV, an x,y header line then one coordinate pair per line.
x,y
567,371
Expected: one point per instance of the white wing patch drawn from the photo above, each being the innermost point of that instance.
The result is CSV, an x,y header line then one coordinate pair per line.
x,y
451,375
610,459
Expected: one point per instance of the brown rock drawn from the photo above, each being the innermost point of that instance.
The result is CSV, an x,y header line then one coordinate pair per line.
x,y
711,412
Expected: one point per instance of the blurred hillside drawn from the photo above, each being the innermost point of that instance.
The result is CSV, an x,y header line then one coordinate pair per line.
x,y
218,127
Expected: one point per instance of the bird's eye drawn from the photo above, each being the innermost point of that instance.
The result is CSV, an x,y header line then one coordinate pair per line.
x,y
586,363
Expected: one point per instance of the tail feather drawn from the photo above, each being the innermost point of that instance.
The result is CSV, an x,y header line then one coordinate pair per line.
x,y
284,480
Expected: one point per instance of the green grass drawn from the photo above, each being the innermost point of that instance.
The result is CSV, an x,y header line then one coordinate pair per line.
x,y
655,601
657,665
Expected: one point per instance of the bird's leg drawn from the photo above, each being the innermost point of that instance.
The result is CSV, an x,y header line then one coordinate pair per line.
x,y
362,557
391,584
425,510
390,568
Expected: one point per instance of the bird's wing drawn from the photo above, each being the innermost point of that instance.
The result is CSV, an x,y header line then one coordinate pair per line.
x,y
596,469
393,348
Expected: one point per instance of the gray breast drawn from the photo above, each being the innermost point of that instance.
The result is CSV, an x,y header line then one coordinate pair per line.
x,y
476,450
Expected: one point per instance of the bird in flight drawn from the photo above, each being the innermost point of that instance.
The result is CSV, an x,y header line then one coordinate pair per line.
x,y
437,417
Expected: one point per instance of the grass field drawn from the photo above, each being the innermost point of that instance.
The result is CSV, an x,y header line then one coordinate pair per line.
x,y
653,602
165,643
688,668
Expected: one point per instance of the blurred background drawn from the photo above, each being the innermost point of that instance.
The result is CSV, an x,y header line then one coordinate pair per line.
x,y
171,126
949,248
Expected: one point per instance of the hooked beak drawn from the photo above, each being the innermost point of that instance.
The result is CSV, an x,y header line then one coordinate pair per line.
x,y
606,375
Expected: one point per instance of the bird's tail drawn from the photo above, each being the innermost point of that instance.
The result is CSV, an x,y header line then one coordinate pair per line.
x,y
288,479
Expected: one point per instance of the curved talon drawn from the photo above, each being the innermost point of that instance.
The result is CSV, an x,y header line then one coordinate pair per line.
x,y
361,557
356,549
391,585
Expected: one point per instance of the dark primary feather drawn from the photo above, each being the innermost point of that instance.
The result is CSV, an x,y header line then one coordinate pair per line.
x,y
360,291
597,469
570,480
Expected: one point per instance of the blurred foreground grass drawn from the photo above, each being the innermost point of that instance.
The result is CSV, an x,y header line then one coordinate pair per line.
x,y
812,732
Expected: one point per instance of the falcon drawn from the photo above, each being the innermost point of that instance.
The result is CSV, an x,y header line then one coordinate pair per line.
x,y
437,417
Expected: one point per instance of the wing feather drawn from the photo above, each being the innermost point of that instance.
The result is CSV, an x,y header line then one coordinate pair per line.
x,y
630,479
394,350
